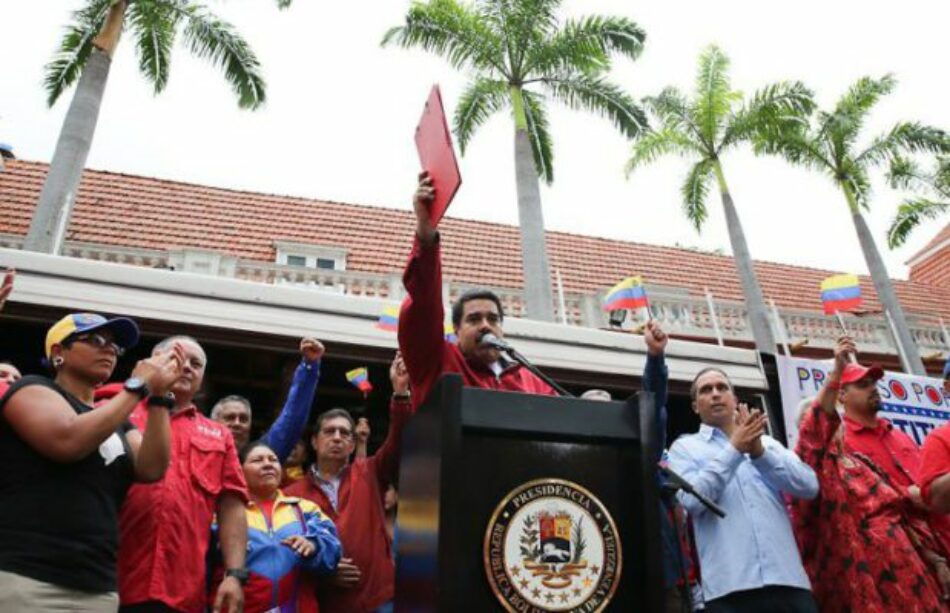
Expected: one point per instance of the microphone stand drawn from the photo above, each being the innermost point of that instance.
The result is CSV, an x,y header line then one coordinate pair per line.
x,y
677,482
517,357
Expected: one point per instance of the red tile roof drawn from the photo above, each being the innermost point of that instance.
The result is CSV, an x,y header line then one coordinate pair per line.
x,y
135,211
942,236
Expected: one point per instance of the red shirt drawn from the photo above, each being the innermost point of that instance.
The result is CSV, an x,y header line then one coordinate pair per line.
x,y
898,456
422,336
165,527
855,537
934,459
361,522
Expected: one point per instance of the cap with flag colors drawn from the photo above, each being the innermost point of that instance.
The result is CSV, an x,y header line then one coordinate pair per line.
x,y
389,320
840,293
359,378
628,294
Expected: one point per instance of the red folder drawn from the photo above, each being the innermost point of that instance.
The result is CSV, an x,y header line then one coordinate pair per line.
x,y
434,144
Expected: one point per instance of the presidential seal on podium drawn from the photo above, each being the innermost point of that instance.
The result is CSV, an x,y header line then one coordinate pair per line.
x,y
551,545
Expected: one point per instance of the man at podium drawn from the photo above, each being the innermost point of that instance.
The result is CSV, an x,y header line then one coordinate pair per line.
x,y
428,355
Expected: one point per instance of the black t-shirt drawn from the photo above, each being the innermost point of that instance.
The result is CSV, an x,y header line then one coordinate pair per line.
x,y
59,521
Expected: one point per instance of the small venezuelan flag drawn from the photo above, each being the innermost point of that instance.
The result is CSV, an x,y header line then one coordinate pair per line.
x,y
449,331
389,320
359,377
840,293
628,294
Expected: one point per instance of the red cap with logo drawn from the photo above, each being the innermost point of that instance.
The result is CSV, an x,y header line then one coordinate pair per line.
x,y
856,372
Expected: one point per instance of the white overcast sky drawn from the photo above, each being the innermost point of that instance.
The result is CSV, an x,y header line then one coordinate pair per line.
x,y
341,111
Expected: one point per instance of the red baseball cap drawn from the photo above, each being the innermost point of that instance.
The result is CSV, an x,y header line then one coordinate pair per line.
x,y
856,372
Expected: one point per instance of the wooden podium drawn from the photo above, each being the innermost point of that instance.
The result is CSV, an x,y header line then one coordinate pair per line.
x,y
517,502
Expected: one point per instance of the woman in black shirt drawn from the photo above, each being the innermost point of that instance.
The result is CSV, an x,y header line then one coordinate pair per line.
x,y
67,467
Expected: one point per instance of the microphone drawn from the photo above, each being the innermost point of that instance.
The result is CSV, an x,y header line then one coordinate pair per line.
x,y
676,482
490,340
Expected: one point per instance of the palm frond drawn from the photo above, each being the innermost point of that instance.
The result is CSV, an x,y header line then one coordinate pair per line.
x,y
858,182
602,97
217,41
477,103
910,214
798,147
905,138
905,173
585,46
653,144
775,108
67,63
282,4
674,112
540,136
842,126
454,31
714,97
695,189
154,25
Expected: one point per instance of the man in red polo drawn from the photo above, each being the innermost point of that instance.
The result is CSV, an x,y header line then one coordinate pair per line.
x,y
165,526
877,439
422,340
934,477
351,494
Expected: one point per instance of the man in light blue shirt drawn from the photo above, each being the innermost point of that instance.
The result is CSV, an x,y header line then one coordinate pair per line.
x,y
749,560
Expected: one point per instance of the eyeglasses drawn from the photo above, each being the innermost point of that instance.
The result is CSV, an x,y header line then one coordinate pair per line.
x,y
99,342
341,430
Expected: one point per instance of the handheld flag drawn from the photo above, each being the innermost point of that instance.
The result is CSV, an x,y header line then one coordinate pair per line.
x,y
840,293
389,320
628,294
449,331
359,378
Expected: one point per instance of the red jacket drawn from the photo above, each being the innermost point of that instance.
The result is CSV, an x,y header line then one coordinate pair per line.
x,y
899,457
422,336
361,522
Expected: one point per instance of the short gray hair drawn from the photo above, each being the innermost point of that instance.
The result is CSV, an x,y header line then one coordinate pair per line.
x,y
216,409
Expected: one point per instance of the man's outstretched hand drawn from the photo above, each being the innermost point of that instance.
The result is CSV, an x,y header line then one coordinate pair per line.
x,y
421,201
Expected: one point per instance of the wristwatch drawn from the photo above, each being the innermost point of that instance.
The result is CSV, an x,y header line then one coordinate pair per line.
x,y
136,386
241,574
166,402
402,396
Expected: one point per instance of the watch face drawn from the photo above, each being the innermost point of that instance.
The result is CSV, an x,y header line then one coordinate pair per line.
x,y
134,383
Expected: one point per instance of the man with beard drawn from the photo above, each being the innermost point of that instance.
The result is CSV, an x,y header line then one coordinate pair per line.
x,y
876,438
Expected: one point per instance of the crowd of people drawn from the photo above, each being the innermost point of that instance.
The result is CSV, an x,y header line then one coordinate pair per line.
x,y
125,496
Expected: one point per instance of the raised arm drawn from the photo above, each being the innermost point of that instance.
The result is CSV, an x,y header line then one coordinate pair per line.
x,y
386,458
290,423
421,328
6,286
656,378
46,422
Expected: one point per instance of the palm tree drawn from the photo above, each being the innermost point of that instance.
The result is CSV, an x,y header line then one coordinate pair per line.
x,y
714,121
829,145
85,54
915,210
520,57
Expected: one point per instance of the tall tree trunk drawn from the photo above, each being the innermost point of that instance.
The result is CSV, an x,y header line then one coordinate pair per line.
x,y
51,218
758,314
883,286
539,298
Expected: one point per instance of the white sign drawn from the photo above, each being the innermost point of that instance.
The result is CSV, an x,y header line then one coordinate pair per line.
x,y
914,404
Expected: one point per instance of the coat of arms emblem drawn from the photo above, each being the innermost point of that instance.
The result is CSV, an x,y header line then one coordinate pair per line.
x,y
552,546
